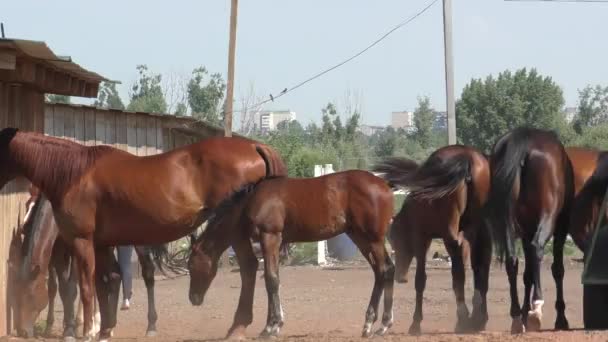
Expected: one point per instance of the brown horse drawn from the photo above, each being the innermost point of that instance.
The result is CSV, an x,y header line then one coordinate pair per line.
x,y
42,234
103,197
44,262
588,193
298,210
447,194
531,193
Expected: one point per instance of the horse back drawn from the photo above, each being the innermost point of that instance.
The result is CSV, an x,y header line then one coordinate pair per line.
x,y
584,162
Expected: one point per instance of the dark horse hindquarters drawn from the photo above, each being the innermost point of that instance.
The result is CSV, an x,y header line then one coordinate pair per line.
x,y
531,193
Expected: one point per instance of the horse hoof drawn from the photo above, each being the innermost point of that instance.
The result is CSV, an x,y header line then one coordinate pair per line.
x,y
236,333
270,332
151,333
415,330
517,326
382,330
533,322
69,339
477,323
562,324
367,331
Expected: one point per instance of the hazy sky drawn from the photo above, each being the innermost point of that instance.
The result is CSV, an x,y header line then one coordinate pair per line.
x,y
280,43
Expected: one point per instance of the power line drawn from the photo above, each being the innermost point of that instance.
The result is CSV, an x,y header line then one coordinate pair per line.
x,y
288,90
594,1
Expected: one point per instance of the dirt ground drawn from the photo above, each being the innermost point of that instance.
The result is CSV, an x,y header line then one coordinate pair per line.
x,y
329,305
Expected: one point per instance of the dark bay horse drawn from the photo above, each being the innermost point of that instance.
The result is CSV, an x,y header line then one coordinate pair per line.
x,y
280,210
41,235
44,262
531,192
103,197
448,192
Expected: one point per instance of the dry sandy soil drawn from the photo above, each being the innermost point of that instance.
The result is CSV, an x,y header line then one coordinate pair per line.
x,y
329,305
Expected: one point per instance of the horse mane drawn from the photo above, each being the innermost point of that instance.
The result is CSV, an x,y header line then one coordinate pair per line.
x,y
53,163
31,234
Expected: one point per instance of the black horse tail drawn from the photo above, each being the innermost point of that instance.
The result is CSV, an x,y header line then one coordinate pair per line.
x,y
396,170
439,177
507,161
160,256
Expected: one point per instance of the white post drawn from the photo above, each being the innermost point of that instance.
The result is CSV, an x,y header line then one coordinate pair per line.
x,y
321,245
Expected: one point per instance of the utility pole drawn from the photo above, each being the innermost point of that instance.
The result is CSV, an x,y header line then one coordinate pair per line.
x,y
449,71
230,81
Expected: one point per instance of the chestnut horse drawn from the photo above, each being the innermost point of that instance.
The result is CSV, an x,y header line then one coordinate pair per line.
x,y
102,197
280,210
531,192
590,186
448,192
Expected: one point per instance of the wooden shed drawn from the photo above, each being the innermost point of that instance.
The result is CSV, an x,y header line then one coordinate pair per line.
x,y
28,70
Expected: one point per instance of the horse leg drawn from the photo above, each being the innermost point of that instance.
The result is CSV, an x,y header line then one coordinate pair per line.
x,y
66,274
373,253
389,282
270,248
85,256
248,263
557,269
481,259
517,325
403,259
147,271
455,251
108,287
543,233
52,293
421,247
528,279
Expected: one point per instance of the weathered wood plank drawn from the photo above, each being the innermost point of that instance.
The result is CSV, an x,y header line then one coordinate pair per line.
x,y
100,127
121,131
79,126
131,133
89,127
151,137
142,125
3,105
59,123
49,120
68,118
111,128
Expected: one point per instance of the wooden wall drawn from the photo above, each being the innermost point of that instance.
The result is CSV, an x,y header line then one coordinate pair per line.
x,y
23,108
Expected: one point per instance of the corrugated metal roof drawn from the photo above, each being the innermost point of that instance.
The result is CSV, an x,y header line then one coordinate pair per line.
x,y
40,51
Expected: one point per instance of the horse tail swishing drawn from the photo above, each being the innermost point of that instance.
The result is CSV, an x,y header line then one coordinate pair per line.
x,y
531,195
447,193
275,167
508,158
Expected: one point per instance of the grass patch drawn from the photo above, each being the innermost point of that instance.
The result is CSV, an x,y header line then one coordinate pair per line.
x,y
304,253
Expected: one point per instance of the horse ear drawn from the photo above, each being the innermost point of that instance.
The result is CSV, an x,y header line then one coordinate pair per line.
x,y
34,273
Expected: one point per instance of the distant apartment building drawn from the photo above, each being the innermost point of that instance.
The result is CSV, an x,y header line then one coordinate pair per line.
x,y
370,130
404,119
270,119
570,114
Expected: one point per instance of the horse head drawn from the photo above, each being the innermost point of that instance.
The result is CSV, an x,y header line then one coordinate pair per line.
x,y
202,264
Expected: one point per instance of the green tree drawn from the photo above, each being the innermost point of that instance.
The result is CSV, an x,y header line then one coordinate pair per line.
x,y
147,94
385,142
592,108
205,95
108,97
54,98
489,108
424,116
